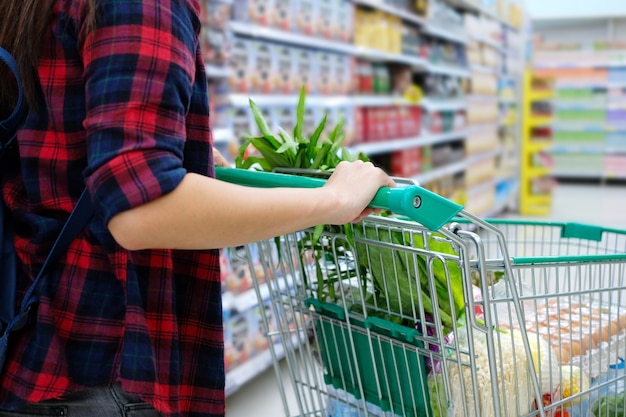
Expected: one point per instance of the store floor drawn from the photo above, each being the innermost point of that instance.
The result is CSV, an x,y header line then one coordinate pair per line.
x,y
596,204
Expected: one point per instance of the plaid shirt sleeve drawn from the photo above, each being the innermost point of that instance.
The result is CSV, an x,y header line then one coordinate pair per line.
x,y
139,71
127,109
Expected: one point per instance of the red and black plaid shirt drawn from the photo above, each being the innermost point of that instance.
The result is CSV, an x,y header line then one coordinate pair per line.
x,y
124,110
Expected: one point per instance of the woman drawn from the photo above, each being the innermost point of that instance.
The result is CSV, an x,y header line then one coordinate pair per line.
x,y
131,319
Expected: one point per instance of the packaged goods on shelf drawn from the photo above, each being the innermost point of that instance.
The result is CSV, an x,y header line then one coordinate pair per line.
x,y
443,52
484,84
388,122
447,153
446,121
284,77
479,112
484,28
480,172
543,160
236,276
305,16
448,186
444,16
542,185
410,40
441,87
482,140
615,166
244,332
259,12
481,199
405,163
241,69
219,107
377,30
237,341
215,37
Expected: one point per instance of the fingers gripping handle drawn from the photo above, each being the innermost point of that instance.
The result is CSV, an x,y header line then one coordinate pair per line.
x,y
417,203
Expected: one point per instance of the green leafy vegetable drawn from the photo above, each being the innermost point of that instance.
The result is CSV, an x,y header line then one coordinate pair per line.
x,y
609,406
395,273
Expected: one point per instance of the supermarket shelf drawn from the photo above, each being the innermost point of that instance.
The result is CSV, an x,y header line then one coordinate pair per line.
x,y
333,46
537,121
430,28
480,187
378,100
507,100
248,370
537,172
484,70
591,150
534,146
578,65
489,42
591,127
215,71
539,200
381,56
222,135
449,70
443,104
483,98
435,30
396,11
473,128
454,167
507,202
563,85
399,144
257,31
241,100
577,174
476,8
576,105
541,95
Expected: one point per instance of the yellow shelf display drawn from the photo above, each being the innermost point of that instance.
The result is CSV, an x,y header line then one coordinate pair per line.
x,y
536,181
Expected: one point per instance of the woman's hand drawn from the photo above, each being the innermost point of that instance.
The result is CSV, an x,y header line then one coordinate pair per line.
x,y
219,160
353,185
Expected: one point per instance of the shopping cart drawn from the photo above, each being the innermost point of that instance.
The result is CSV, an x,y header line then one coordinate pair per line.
x,y
366,318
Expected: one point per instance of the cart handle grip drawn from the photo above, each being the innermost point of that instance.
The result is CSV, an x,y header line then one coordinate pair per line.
x,y
415,202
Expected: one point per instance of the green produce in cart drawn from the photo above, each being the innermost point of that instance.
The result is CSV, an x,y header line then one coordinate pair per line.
x,y
299,152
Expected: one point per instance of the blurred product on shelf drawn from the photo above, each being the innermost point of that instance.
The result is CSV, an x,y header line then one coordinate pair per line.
x,y
387,123
327,19
444,16
481,141
378,30
447,153
215,36
536,182
405,163
263,67
441,87
443,121
482,112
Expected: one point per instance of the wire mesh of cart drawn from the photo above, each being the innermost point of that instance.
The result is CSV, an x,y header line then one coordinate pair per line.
x,y
445,314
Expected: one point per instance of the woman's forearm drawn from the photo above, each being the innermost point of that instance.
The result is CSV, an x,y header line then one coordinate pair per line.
x,y
204,213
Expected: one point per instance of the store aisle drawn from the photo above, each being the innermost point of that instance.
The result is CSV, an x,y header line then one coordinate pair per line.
x,y
589,203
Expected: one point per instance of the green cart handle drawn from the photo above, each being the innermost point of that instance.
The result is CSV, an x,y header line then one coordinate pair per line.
x,y
417,203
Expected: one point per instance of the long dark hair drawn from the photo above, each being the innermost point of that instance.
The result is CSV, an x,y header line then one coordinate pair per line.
x,y
23,25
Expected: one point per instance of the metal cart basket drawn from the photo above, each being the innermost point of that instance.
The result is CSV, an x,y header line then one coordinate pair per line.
x,y
444,314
